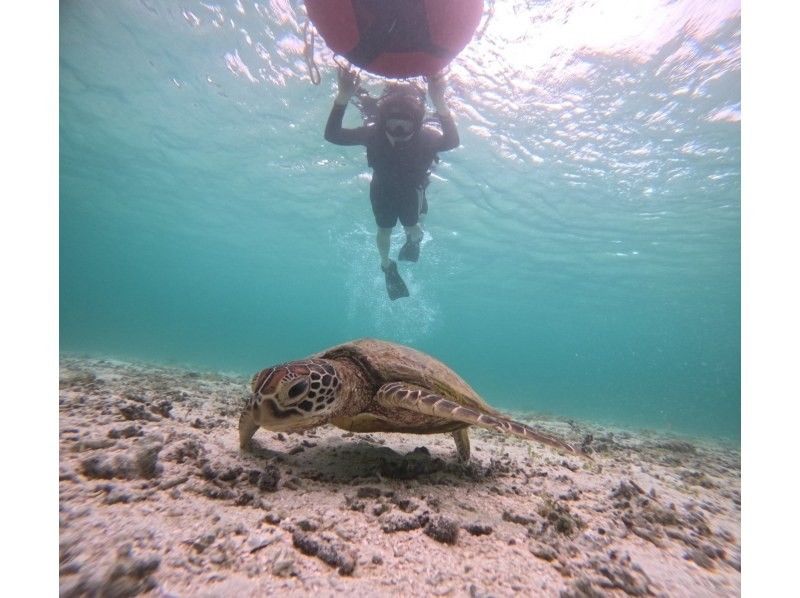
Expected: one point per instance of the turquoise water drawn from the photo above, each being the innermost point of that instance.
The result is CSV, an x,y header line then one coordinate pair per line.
x,y
582,255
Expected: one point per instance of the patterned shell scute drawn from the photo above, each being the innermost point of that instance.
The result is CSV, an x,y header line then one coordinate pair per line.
x,y
397,363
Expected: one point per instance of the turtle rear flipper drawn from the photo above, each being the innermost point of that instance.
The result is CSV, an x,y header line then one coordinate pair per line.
x,y
462,443
415,398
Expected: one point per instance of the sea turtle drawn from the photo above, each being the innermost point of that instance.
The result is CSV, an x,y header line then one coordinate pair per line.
x,y
370,385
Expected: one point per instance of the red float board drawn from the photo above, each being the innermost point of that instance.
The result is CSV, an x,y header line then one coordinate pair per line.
x,y
451,25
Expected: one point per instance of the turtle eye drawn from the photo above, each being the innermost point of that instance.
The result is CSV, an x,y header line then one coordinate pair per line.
x,y
298,388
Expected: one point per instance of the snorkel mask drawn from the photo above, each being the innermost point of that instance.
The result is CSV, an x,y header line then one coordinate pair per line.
x,y
400,127
400,113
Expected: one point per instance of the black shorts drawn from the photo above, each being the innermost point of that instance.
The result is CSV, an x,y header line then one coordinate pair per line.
x,y
389,205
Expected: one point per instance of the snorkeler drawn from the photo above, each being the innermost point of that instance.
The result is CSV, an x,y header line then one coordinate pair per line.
x,y
400,150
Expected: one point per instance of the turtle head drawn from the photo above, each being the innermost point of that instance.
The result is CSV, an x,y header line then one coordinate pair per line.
x,y
294,396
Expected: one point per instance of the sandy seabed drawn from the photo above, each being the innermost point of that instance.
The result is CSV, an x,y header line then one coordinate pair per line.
x,y
157,499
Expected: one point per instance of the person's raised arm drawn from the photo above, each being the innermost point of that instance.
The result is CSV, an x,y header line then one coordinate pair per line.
x,y
348,83
436,89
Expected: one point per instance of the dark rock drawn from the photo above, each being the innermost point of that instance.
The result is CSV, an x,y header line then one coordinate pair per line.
x,y
639,526
116,495
307,525
404,504
735,562
230,473
68,550
656,514
127,432
623,576
76,379
475,592
442,529
73,588
353,504
559,517
128,576
162,408
327,550
368,492
518,519
244,499
69,569
208,471
202,542
678,446
132,396
544,552
697,478
713,552
416,463
66,473
105,467
272,519
135,411
699,557
269,478
394,522
216,493
189,449
92,444
626,491
293,483
699,523
173,482
582,588
146,461
478,529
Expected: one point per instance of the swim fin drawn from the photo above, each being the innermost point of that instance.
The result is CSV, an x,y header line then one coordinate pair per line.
x,y
394,284
409,252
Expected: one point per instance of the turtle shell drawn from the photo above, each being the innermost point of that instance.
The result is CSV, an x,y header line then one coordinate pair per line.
x,y
384,362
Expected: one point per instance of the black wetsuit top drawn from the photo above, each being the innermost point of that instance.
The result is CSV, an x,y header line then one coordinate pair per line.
x,y
400,172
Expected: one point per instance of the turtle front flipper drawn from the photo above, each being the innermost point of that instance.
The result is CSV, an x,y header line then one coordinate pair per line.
x,y
247,427
415,398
